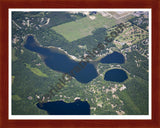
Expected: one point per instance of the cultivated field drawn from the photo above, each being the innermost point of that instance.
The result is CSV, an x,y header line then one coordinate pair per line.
x,y
84,27
119,14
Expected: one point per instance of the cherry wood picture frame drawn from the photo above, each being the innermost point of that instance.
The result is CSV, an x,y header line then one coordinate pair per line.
x,y
4,40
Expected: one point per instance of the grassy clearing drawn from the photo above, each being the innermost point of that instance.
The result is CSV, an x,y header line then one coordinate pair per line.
x,y
16,97
83,27
13,77
36,71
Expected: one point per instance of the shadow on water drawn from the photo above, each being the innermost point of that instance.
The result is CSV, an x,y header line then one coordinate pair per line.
x,y
61,108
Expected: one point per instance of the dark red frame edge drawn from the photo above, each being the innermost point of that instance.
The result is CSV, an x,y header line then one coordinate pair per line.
x,y
6,4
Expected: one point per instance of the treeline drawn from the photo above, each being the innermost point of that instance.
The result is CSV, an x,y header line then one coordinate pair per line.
x,y
140,21
51,38
57,18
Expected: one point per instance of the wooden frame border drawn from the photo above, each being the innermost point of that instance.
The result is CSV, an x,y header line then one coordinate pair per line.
x,y
6,4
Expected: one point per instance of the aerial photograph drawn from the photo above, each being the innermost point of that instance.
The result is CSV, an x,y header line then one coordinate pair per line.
x,y
79,62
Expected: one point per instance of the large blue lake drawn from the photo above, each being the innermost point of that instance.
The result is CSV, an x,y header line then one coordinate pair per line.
x,y
78,107
61,62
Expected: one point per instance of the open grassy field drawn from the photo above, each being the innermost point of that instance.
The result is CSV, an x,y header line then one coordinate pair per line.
x,y
16,97
83,27
36,71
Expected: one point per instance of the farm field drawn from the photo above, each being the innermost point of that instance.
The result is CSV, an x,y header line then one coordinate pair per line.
x,y
80,28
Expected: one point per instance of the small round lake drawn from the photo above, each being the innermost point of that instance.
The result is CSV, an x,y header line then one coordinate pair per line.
x,y
115,75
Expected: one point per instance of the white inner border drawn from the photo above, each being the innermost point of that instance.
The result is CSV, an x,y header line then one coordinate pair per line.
x,y
67,117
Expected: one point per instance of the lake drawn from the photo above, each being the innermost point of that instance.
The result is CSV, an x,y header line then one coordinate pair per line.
x,y
78,107
115,57
115,75
59,61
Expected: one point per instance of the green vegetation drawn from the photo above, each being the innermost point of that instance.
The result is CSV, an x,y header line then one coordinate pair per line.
x,y
14,57
36,71
141,21
13,77
83,27
130,107
16,97
131,35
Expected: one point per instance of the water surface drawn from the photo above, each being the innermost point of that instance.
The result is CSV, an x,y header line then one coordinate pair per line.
x,y
115,57
116,75
61,108
59,61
